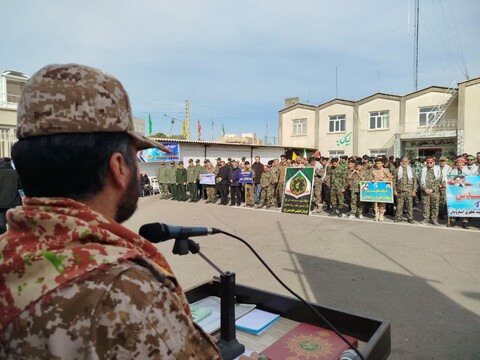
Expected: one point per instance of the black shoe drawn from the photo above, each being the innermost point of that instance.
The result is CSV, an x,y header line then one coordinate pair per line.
x,y
465,225
398,220
411,221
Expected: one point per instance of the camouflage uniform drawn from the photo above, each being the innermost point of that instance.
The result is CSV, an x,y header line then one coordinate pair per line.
x,y
326,191
115,298
405,188
162,177
281,182
353,181
250,192
317,187
337,184
192,176
211,189
430,201
267,196
381,174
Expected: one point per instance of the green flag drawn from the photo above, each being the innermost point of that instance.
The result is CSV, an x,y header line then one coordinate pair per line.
x,y
223,130
304,153
149,124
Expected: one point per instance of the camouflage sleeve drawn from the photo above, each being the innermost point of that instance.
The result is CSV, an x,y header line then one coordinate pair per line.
x,y
123,312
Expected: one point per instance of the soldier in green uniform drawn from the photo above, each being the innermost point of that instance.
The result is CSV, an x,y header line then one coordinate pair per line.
x,y
267,196
192,176
337,188
163,181
353,181
430,182
172,176
405,190
181,182
442,201
201,169
318,175
347,195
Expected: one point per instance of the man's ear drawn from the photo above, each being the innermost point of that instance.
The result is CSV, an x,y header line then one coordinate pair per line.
x,y
119,171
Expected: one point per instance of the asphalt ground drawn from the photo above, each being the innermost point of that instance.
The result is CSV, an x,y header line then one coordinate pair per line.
x,y
425,280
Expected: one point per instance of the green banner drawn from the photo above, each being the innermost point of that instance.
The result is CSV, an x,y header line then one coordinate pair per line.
x,y
297,196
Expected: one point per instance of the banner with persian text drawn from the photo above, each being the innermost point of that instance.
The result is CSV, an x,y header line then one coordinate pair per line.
x,y
297,196
376,191
463,195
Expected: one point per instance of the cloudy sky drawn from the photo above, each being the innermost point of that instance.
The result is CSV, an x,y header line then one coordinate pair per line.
x,y
237,61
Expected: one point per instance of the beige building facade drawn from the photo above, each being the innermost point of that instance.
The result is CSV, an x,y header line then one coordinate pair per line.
x,y
11,86
433,121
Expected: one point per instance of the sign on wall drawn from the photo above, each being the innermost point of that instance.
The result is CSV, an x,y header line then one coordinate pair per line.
x,y
376,191
155,155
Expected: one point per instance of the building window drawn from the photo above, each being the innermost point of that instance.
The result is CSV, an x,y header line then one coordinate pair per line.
x,y
379,120
8,137
336,123
300,127
378,152
335,153
426,115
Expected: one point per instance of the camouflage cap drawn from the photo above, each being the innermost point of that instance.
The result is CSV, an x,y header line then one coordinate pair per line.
x,y
443,158
72,98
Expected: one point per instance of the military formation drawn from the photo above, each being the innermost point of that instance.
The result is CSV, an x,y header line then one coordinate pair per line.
x,y
336,185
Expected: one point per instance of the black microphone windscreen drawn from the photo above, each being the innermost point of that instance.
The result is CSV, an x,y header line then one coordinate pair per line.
x,y
154,232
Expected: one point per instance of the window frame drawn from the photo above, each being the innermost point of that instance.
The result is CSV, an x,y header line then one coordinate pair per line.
x,y
378,152
335,153
382,118
299,127
337,121
429,115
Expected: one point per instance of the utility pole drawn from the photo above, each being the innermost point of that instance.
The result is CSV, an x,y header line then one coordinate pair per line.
x,y
187,113
274,140
213,123
172,120
415,46
266,136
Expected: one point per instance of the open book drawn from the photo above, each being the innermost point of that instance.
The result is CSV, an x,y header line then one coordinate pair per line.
x,y
211,306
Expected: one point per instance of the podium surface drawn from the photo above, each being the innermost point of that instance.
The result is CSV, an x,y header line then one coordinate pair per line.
x,y
373,334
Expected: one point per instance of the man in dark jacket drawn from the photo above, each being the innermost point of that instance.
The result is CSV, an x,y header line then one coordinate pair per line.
x,y
222,181
234,177
9,186
258,169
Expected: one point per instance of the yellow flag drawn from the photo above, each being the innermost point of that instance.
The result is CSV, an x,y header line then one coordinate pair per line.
x,y
184,129
294,156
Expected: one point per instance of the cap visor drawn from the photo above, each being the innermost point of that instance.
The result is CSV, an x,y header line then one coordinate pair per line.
x,y
141,142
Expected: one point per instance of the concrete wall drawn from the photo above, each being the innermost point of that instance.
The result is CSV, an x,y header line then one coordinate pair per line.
x,y
471,117
368,139
330,141
413,105
213,151
8,117
286,123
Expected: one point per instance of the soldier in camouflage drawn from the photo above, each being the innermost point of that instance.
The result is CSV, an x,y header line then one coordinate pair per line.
x,y
163,181
172,177
353,181
211,189
405,190
267,181
74,283
249,187
337,188
430,183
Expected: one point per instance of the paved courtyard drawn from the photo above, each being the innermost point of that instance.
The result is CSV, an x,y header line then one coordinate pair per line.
x,y
425,280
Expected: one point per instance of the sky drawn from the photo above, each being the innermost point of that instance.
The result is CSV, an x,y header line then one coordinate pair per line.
x,y
237,61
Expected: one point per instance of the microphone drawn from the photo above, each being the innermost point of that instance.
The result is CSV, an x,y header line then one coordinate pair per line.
x,y
156,232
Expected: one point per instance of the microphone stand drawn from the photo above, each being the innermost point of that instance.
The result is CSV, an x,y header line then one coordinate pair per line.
x,y
228,344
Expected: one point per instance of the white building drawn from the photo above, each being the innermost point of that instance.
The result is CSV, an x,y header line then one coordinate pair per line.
x,y
432,121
